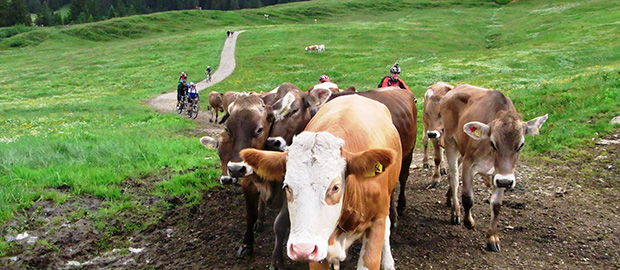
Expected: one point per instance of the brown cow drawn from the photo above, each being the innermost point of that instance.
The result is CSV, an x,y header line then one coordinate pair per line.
x,y
248,126
215,104
338,177
433,128
484,128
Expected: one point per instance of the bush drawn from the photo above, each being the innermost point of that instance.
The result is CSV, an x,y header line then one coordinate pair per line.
x,y
14,30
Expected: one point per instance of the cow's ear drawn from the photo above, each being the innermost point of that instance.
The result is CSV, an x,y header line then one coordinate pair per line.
x,y
270,165
429,93
477,130
209,142
531,127
370,162
318,96
350,89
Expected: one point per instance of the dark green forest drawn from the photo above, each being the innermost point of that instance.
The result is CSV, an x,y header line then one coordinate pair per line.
x,y
17,12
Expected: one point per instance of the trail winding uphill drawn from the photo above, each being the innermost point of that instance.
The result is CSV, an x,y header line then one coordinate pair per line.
x,y
167,102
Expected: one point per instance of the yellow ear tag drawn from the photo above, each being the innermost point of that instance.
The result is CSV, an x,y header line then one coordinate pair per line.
x,y
478,133
378,168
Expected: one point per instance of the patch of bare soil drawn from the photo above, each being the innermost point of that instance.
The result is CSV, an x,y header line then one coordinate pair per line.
x,y
563,214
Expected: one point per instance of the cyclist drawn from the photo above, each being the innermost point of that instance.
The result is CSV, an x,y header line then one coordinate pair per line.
x,y
181,91
393,79
183,77
192,94
208,73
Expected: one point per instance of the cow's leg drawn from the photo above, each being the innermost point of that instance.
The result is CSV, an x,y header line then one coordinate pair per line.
x,y
258,226
437,159
250,194
372,245
468,191
393,210
387,261
425,145
493,243
280,227
442,166
402,178
452,200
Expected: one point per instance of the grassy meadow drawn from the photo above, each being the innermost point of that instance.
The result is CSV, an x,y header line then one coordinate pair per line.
x,y
72,99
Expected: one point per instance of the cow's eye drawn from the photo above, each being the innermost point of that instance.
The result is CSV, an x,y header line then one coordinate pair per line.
x,y
295,111
335,189
259,131
227,130
493,145
519,148
439,115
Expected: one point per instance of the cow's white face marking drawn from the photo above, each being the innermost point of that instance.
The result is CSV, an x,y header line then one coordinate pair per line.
x,y
314,183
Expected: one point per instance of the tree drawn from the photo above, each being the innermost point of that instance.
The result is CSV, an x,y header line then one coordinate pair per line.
x,y
77,7
111,12
4,12
44,16
17,13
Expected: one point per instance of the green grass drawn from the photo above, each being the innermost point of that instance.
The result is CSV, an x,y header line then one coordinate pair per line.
x,y
72,99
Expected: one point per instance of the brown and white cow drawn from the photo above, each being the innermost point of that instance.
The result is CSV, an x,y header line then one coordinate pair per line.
x,y
215,105
433,128
402,106
484,128
338,177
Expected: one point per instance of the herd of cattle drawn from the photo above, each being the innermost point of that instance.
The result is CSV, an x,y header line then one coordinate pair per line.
x,y
329,160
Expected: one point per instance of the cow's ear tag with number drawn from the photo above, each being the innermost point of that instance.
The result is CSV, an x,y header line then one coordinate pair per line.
x,y
378,168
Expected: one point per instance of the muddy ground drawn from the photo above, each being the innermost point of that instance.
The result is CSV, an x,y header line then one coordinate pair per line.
x,y
563,214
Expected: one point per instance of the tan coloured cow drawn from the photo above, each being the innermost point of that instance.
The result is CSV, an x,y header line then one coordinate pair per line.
x,y
215,105
484,128
433,129
338,177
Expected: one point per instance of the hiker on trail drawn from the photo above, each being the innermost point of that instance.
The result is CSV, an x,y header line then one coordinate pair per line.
x,y
393,79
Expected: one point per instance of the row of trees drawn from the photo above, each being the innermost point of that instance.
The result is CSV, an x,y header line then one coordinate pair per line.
x,y
14,12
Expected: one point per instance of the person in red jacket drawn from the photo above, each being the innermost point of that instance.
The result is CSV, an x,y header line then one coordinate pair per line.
x,y
393,79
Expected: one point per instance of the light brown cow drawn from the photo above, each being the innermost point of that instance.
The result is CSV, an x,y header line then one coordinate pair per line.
x,y
215,105
484,128
338,177
433,129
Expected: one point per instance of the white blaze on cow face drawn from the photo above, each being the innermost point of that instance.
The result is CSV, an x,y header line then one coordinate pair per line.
x,y
314,184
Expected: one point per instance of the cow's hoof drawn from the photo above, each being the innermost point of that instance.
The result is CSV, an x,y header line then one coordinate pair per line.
x,y
434,186
493,247
455,220
426,166
258,226
442,171
469,224
244,250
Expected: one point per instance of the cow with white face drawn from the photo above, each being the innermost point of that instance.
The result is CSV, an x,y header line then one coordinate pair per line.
x,y
483,127
433,128
338,177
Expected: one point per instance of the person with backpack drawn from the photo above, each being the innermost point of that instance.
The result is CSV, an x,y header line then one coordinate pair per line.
x,y
192,94
393,79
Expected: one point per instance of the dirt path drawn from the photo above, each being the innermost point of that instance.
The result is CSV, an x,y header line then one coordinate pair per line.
x,y
166,102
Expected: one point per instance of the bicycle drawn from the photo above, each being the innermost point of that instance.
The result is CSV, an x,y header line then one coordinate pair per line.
x,y
192,111
208,79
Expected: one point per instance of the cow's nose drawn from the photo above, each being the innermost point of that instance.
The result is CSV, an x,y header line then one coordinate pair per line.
x,y
304,252
276,144
432,134
227,180
236,171
504,183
